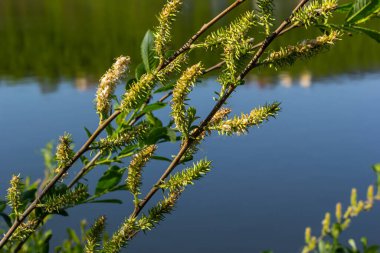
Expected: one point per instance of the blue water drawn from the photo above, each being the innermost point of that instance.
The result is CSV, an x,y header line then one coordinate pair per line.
x,y
265,188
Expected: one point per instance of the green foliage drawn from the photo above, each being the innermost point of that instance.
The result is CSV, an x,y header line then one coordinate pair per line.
x,y
133,127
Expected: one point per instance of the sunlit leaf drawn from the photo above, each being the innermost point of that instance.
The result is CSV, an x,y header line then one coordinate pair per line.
x,y
110,179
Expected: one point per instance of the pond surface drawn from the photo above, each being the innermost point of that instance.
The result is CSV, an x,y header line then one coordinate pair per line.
x,y
266,187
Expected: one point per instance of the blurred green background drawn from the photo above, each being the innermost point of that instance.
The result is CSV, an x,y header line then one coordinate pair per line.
x,y
54,39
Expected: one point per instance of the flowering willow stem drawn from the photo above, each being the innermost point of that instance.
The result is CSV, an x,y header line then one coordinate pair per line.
x,y
187,144
105,123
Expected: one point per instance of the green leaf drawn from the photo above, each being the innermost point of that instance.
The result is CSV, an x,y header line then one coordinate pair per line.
x,y
165,88
46,243
110,179
147,52
87,132
171,133
372,249
62,212
154,107
369,32
156,122
73,235
376,167
3,205
139,72
28,195
109,201
6,219
362,11
343,8
161,158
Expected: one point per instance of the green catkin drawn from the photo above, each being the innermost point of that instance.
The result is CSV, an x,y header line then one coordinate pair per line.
x,y
315,12
180,92
93,237
135,167
24,230
308,48
187,176
122,139
220,115
370,198
14,195
307,235
64,153
326,224
158,212
172,67
240,125
265,16
342,220
64,200
354,198
232,34
138,93
107,85
162,32
338,212
121,237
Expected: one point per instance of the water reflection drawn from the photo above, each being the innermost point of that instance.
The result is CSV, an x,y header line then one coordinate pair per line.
x,y
56,39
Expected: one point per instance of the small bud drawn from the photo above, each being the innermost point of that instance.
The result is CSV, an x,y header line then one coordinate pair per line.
x,y
64,152
370,197
138,92
338,212
348,212
354,195
307,235
14,195
345,224
326,224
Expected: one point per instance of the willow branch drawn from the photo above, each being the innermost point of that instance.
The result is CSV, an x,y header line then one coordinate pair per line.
x,y
220,64
203,29
104,124
187,144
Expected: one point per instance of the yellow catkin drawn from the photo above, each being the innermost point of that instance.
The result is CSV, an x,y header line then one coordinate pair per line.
x,y
345,224
107,85
180,92
354,196
326,224
338,212
307,235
